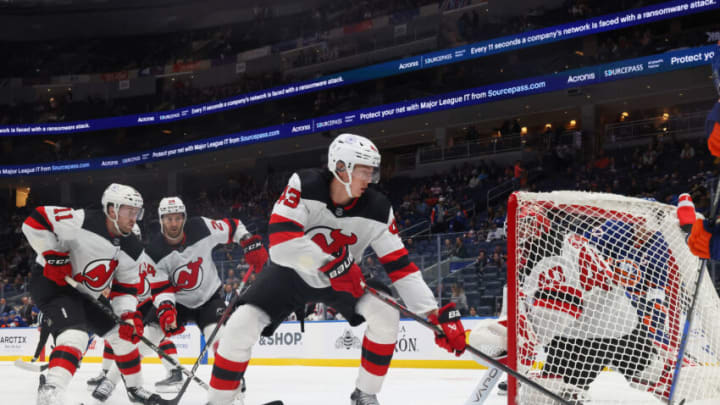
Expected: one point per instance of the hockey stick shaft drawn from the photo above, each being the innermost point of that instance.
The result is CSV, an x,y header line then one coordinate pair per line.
x,y
109,312
209,341
691,313
482,391
488,359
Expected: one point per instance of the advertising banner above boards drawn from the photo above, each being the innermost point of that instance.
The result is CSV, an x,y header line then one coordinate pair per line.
x,y
624,19
686,58
329,343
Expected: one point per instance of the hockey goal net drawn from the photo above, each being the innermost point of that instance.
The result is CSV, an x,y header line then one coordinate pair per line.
x,y
599,287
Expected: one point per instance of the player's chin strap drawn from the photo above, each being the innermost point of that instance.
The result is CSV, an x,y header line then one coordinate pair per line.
x,y
488,359
346,184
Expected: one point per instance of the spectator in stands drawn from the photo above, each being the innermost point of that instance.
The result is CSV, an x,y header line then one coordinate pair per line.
x,y
371,267
459,223
447,249
437,216
4,307
481,261
472,312
688,152
4,320
459,249
26,309
459,298
231,278
497,259
227,293
494,233
649,157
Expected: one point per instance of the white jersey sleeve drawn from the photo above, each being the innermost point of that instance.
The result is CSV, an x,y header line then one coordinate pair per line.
x,y
226,230
51,228
289,246
404,274
161,288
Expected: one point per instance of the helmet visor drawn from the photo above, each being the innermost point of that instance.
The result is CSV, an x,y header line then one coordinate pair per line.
x,y
367,173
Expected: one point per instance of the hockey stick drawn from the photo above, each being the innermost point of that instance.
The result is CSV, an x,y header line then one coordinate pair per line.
x,y
109,312
225,315
485,385
691,313
34,367
491,361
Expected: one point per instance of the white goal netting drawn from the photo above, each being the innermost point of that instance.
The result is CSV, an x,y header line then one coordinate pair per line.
x,y
602,284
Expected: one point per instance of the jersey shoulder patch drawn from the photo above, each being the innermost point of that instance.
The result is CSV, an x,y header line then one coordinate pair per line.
x,y
315,184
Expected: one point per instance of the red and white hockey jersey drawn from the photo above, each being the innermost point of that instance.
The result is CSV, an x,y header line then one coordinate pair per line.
x,y
573,295
306,227
185,273
99,260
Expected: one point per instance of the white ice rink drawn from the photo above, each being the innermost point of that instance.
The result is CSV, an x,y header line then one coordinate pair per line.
x,y
299,385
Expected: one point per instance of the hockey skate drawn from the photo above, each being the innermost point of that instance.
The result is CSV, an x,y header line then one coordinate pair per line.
x,y
48,394
139,395
93,382
172,383
103,390
360,398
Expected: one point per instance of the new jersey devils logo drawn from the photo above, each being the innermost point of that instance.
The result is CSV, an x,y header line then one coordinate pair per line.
x,y
189,276
97,274
332,240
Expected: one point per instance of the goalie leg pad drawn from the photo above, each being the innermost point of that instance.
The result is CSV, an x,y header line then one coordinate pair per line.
x,y
490,337
556,384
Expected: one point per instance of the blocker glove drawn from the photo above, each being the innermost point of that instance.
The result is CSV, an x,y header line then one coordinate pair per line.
x,y
255,253
453,337
167,317
57,266
344,274
131,328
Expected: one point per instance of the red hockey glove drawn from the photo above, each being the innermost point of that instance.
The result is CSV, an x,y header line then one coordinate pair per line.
x,y
255,253
686,211
57,266
131,329
453,337
344,274
699,240
167,318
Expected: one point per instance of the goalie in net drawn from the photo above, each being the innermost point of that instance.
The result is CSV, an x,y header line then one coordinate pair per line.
x,y
596,281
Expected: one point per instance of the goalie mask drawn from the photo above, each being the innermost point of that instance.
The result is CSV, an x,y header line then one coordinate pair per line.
x,y
346,152
118,195
171,205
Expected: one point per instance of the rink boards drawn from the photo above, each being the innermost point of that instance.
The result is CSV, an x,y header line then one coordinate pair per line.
x,y
324,343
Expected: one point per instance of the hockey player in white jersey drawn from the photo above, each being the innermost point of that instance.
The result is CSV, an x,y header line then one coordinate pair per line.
x,y
97,249
321,221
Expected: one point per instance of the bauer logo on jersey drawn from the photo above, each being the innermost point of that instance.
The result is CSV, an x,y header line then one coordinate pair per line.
x,y
331,240
188,277
97,274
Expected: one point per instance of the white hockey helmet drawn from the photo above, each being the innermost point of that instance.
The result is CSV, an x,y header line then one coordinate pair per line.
x,y
348,150
118,195
171,205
